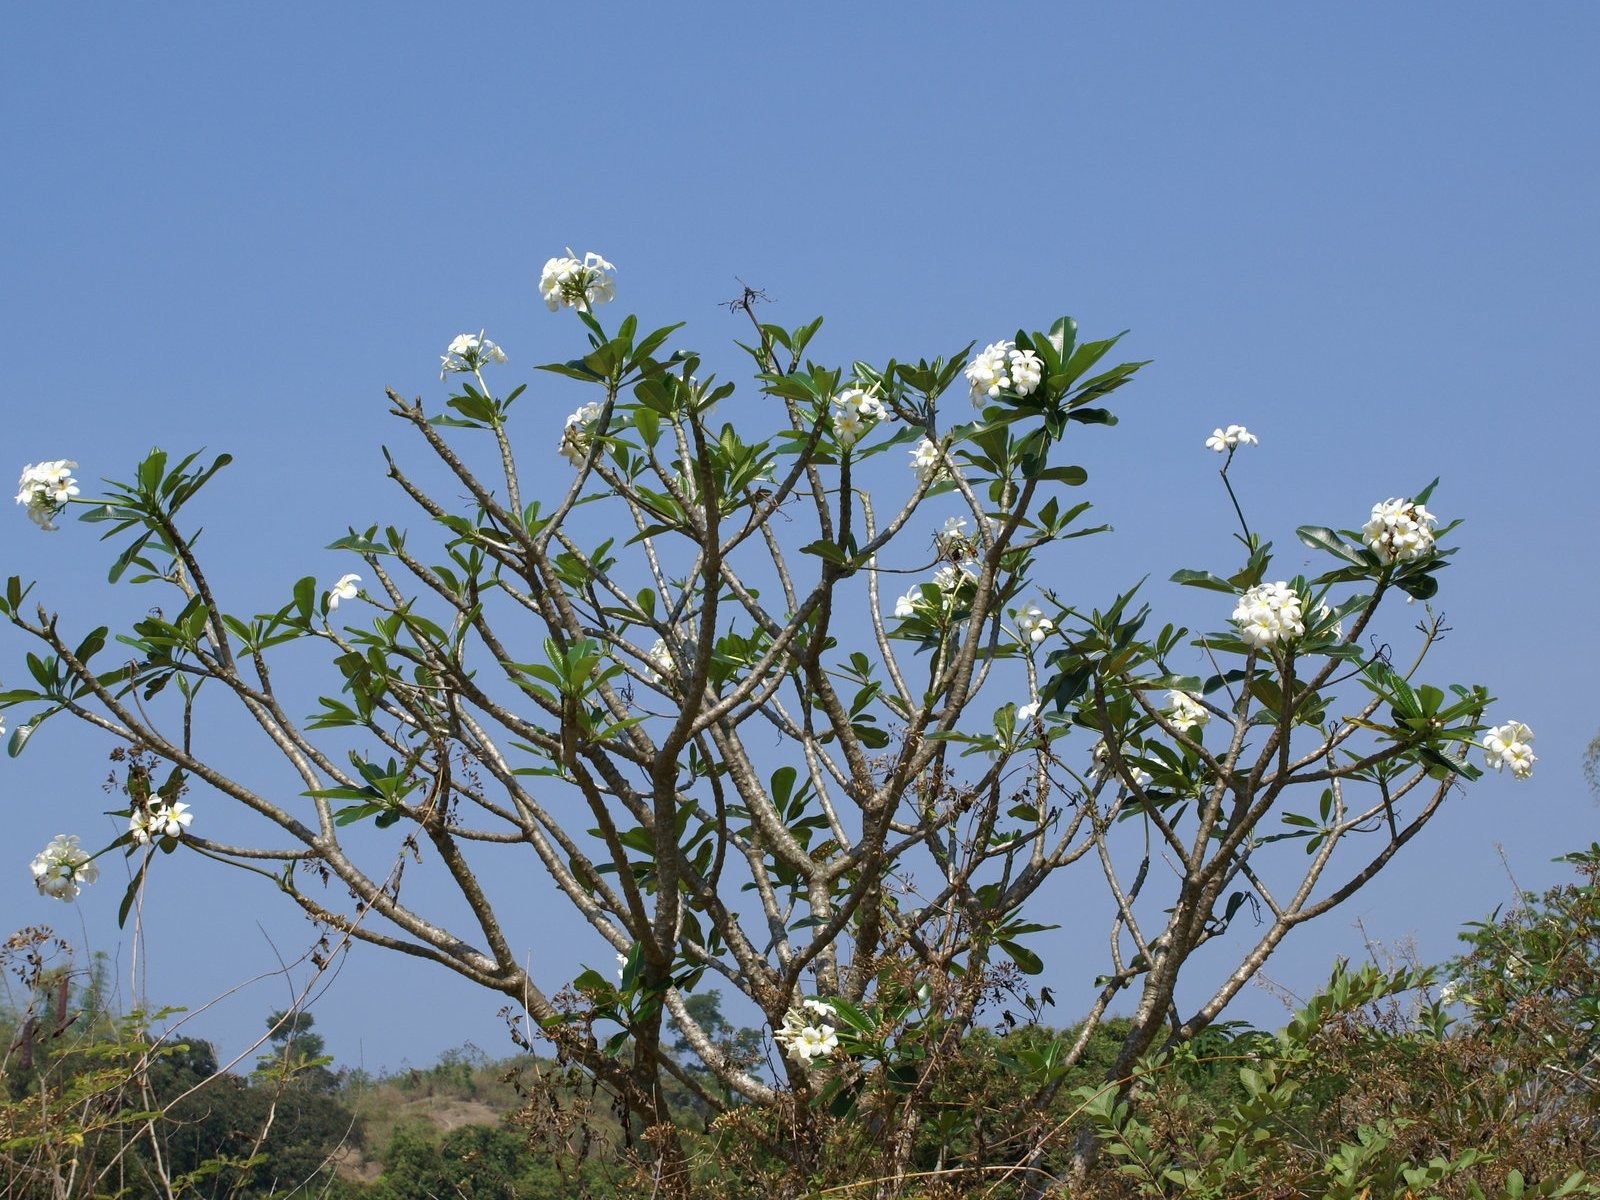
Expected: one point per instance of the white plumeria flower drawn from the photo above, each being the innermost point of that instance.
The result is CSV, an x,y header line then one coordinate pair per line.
x,y
171,819
1185,711
848,428
1399,531
345,589
926,461
622,965
950,537
1033,624
1027,712
467,352
949,580
814,1041
1102,766
1027,369
1510,745
159,820
1323,613
820,1007
580,285
575,436
859,409
660,660
63,869
1223,440
986,373
1269,614
45,488
802,1040
999,367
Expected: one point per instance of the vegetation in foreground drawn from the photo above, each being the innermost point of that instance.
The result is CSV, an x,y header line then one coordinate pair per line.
x,y
1475,1081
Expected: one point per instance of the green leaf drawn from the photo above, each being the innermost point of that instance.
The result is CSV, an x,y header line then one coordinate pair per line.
x,y
128,557
1204,579
783,780
361,543
14,594
305,598
1063,338
1419,587
151,469
1086,355
91,645
20,736
851,1015
133,890
1027,961
825,549
1319,537
356,812
1071,476
572,370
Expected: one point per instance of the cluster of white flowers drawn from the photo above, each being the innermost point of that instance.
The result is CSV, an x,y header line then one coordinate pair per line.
x,y
1223,440
575,437
63,869
467,352
803,1038
999,367
159,820
926,462
345,589
1033,624
1399,531
45,488
1185,711
1268,614
1509,745
948,579
949,540
1102,766
579,285
859,409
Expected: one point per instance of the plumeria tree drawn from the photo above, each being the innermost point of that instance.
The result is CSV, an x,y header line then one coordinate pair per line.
x,y
791,704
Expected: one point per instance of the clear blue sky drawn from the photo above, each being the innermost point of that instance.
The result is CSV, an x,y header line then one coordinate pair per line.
x,y
1367,232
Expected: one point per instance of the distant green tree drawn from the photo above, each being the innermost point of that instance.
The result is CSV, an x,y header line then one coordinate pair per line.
x,y
244,1138
297,1055
474,1162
